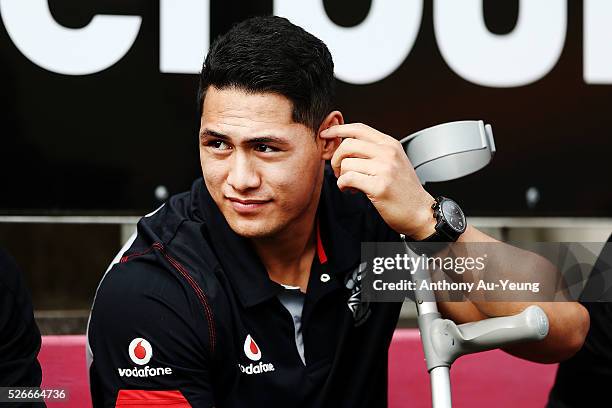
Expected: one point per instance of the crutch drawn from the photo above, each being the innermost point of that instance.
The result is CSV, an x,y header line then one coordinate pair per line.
x,y
440,153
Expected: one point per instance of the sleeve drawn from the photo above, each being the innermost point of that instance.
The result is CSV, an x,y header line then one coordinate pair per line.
x,y
596,298
148,341
19,334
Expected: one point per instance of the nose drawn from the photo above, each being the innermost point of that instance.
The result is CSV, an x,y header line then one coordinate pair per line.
x,y
243,175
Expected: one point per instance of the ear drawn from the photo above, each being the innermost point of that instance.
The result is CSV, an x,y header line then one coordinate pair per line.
x,y
329,146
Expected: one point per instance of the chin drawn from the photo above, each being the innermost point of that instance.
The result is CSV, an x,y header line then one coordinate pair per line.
x,y
253,229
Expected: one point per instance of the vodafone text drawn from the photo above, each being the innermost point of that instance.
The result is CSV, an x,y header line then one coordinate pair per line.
x,y
144,371
256,368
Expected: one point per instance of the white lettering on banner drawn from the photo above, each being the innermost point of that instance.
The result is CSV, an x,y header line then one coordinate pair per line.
x,y
363,54
521,57
93,48
184,29
367,52
597,42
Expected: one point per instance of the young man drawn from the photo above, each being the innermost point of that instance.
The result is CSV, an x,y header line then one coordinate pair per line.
x,y
583,379
244,291
19,334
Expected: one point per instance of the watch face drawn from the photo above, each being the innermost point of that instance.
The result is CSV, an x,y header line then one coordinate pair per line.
x,y
453,215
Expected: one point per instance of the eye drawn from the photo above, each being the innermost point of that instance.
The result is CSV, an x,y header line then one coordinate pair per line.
x,y
264,148
218,145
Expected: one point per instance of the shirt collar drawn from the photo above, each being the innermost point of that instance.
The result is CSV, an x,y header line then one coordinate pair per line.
x,y
336,248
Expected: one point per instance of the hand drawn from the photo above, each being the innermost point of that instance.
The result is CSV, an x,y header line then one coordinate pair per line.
x,y
376,164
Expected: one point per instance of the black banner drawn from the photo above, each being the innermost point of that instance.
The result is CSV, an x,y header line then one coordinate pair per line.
x,y
83,134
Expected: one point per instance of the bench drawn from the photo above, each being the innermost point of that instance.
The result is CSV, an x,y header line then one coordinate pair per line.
x,y
488,379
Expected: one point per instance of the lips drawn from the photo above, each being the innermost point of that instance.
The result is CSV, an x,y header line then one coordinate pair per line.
x,y
237,200
247,206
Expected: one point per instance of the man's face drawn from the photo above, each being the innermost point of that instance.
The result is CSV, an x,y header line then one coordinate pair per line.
x,y
262,169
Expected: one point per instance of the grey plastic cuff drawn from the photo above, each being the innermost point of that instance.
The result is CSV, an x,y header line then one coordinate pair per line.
x,y
450,150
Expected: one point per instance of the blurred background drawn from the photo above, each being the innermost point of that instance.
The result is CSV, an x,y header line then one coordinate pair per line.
x,y
98,115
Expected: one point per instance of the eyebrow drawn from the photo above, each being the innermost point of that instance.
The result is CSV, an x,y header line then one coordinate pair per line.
x,y
253,140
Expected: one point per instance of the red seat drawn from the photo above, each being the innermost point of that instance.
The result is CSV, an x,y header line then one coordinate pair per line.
x,y
62,359
483,380
490,379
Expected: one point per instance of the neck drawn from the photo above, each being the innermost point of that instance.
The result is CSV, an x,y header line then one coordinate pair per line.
x,y
288,255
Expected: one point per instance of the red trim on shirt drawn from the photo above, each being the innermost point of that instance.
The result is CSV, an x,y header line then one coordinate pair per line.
x,y
146,398
320,248
199,293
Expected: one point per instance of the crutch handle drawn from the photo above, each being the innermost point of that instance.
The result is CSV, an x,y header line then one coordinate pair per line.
x,y
451,341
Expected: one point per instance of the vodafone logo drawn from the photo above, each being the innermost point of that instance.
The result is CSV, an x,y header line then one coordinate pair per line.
x,y
250,349
140,351
253,352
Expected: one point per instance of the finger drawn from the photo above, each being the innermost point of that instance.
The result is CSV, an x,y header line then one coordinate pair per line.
x,y
357,181
352,148
355,131
368,167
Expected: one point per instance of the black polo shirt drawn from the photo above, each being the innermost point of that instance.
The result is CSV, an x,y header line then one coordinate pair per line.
x,y
189,315
583,379
19,334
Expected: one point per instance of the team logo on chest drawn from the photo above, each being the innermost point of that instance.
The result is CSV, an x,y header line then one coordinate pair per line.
x,y
360,310
253,353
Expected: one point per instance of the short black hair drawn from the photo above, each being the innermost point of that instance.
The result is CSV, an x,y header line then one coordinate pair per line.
x,y
270,54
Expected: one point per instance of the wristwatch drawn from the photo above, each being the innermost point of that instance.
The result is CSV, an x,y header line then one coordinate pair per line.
x,y
450,221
